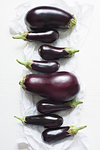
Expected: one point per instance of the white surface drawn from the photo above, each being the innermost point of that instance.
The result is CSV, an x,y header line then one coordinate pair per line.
x,y
32,134
11,74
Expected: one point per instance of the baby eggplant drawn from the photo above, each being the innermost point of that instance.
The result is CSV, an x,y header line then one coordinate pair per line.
x,y
41,66
47,106
45,36
48,121
47,17
53,135
48,52
59,86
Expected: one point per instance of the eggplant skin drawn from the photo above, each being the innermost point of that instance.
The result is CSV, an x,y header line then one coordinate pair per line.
x,y
59,86
45,66
48,121
53,135
46,17
46,106
45,37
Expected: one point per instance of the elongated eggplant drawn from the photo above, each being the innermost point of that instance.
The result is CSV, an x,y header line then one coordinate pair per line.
x,y
48,52
41,66
44,36
48,121
47,106
59,86
46,17
53,135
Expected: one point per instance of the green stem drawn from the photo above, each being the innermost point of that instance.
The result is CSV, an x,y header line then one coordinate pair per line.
x,y
22,83
27,63
73,103
22,119
21,36
73,130
71,51
22,63
72,23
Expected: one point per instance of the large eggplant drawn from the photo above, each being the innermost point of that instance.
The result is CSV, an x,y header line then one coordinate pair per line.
x,y
54,135
49,52
41,66
48,121
47,106
59,86
46,17
44,36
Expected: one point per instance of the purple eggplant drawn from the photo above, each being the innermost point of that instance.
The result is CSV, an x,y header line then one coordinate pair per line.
x,y
41,66
48,121
44,36
47,106
54,135
48,52
59,86
47,17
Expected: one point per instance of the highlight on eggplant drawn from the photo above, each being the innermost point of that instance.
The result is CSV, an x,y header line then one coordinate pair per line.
x,y
49,52
54,135
48,121
47,17
41,66
43,36
59,86
47,106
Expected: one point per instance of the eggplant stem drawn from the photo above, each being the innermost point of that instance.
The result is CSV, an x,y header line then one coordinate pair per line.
x,y
71,51
73,130
74,103
22,63
27,63
22,83
72,23
22,119
21,36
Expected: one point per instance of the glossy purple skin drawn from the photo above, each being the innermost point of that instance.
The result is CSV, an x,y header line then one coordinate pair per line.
x,y
45,66
53,135
45,37
46,17
59,86
48,52
48,121
47,106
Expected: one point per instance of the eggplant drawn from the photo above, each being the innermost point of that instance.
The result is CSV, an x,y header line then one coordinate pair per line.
x,y
59,86
48,121
54,135
47,106
48,52
47,17
44,36
41,66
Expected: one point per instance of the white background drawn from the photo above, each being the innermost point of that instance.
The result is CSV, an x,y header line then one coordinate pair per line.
x,y
10,74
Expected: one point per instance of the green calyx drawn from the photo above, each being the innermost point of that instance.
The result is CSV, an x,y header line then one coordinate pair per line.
x,y
70,51
21,36
73,130
22,83
72,23
22,119
73,103
27,63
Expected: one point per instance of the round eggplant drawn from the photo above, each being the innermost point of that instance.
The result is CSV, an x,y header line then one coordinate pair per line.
x,y
47,106
41,66
48,52
48,121
46,17
44,36
54,135
59,86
